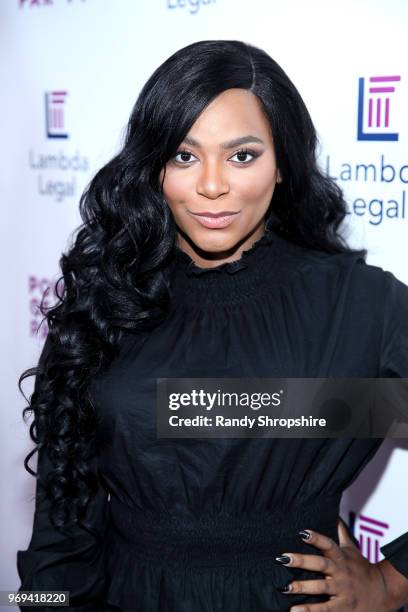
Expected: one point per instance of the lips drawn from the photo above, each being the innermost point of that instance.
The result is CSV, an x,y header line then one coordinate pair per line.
x,y
223,213
215,220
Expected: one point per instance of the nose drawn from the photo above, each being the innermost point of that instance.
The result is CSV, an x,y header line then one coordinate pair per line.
x,y
212,181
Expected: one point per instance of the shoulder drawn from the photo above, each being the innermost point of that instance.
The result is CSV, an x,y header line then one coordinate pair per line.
x,y
348,273
316,260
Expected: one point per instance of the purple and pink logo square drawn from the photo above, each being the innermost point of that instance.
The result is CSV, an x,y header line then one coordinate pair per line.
x,y
55,114
375,108
369,533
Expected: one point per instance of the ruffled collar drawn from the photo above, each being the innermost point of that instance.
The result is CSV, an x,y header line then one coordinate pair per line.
x,y
248,257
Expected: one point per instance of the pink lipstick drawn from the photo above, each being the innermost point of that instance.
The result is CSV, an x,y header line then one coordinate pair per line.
x,y
215,220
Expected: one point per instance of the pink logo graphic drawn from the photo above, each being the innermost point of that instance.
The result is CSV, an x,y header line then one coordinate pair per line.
x,y
374,113
369,532
39,288
39,3
36,3
54,114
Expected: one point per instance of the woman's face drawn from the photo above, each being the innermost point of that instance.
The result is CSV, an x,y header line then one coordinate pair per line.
x,y
226,164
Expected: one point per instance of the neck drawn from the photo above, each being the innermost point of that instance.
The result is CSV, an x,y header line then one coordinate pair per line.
x,y
208,259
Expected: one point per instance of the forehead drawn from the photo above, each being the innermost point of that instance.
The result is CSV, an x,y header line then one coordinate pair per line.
x,y
233,113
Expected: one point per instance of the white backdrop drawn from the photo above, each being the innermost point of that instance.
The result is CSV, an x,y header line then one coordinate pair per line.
x,y
70,73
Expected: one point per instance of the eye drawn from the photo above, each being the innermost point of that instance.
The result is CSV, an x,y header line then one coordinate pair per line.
x,y
183,155
245,153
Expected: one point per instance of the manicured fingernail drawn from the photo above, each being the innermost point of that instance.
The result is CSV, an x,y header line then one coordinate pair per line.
x,y
285,559
305,535
286,589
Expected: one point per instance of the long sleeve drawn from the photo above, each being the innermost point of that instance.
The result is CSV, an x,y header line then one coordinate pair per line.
x,y
394,363
68,560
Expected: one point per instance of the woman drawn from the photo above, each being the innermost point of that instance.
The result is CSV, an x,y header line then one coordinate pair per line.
x,y
210,247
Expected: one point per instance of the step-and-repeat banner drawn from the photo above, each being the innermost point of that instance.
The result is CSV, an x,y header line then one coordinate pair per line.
x,y
70,73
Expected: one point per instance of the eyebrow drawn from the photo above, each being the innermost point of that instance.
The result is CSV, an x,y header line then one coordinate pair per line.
x,y
236,142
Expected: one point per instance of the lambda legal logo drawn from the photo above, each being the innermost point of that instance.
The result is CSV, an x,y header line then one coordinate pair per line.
x,y
54,114
369,532
374,113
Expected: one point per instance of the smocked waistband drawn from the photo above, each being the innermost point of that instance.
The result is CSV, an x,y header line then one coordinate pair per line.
x,y
223,539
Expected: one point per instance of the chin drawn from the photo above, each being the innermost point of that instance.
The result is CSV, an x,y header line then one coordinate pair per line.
x,y
215,243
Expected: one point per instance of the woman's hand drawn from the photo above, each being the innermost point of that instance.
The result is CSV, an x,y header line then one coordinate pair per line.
x,y
351,582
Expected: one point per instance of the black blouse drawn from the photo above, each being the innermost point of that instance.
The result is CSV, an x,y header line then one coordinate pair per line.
x,y
183,525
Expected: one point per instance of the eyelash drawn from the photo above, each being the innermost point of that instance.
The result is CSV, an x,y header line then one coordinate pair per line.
x,y
241,151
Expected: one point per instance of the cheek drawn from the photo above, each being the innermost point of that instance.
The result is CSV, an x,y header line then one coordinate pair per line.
x,y
176,188
255,189
256,183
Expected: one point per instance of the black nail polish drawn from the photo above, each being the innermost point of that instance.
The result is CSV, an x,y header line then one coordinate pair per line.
x,y
304,535
284,559
285,589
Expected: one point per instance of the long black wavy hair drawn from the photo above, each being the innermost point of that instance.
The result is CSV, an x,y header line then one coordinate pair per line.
x,y
112,279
